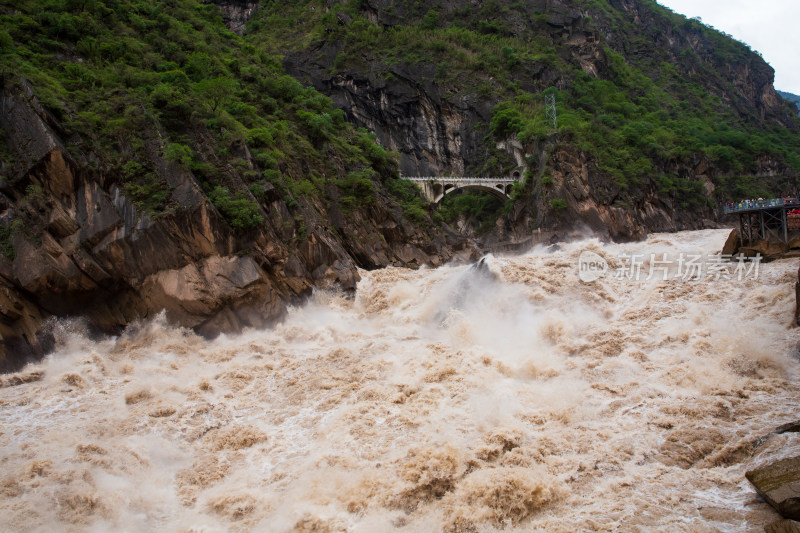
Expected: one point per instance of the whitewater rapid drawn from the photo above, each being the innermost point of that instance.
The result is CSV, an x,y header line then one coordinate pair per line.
x,y
454,399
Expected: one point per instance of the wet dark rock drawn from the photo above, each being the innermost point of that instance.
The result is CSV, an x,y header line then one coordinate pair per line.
x,y
790,427
779,484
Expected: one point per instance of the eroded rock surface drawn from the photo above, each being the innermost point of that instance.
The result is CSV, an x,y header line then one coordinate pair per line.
x,y
779,484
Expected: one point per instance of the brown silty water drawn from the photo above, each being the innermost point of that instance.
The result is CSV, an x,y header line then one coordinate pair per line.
x,y
435,400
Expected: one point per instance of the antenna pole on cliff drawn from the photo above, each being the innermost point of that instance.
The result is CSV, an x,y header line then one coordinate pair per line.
x,y
550,109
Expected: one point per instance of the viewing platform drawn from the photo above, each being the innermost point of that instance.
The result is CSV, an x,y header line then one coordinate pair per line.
x,y
766,219
757,205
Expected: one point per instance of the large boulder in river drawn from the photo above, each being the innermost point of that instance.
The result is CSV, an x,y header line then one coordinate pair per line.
x,y
768,249
733,243
215,294
779,484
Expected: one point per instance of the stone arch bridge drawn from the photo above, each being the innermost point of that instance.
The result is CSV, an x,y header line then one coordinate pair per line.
x,y
435,188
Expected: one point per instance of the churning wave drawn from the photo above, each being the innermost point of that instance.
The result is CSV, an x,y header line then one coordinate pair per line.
x,y
508,395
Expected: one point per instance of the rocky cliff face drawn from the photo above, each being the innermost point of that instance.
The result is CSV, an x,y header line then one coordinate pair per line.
x,y
793,98
436,131
86,249
746,84
595,202
435,135
439,125
236,13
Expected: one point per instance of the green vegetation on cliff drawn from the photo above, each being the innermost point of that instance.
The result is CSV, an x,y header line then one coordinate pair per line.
x,y
639,108
139,82
474,209
645,95
791,98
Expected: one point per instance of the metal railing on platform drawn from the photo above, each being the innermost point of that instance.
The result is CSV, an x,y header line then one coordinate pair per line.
x,y
755,205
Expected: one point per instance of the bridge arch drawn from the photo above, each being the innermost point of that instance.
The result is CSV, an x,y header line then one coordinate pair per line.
x,y
497,190
435,188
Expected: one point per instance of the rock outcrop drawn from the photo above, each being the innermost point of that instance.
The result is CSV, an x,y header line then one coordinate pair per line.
x,y
236,13
768,249
775,474
779,484
86,249
732,243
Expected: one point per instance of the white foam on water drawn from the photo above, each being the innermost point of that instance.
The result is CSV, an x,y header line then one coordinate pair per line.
x,y
512,397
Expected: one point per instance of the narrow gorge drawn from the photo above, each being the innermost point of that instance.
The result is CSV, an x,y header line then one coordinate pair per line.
x,y
214,179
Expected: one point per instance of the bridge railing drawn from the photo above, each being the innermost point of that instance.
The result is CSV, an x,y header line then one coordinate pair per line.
x,y
472,179
752,205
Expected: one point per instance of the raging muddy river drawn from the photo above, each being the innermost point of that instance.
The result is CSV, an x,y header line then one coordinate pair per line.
x,y
514,397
